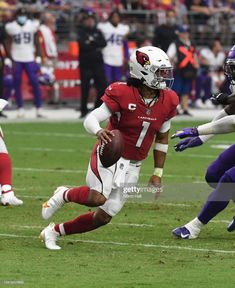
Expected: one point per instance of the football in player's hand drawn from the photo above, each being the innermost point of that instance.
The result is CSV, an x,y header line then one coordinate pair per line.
x,y
111,152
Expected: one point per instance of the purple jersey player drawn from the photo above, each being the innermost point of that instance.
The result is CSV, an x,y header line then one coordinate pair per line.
x,y
221,173
24,54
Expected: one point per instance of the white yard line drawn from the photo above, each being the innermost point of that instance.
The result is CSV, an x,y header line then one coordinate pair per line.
x,y
144,245
220,146
220,221
49,134
39,149
144,202
115,224
192,155
30,169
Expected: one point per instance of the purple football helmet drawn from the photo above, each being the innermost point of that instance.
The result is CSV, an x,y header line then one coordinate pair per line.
x,y
229,65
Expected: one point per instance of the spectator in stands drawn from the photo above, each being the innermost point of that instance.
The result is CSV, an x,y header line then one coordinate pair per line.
x,y
211,74
199,14
23,52
166,33
115,34
181,12
182,53
91,41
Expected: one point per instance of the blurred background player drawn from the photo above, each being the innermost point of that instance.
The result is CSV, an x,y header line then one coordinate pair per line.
x,y
7,195
115,53
2,38
24,54
183,54
145,105
90,41
220,174
49,53
211,76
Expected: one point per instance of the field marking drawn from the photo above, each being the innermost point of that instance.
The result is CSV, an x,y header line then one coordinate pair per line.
x,y
114,224
175,204
130,202
192,155
220,146
58,170
29,169
39,149
220,221
145,245
50,134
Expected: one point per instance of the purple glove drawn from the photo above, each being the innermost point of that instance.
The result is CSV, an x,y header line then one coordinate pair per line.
x,y
186,132
188,143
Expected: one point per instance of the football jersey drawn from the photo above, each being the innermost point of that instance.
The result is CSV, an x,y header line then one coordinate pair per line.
x,y
23,48
113,51
138,123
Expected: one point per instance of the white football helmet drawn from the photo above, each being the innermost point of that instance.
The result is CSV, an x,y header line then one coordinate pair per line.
x,y
152,66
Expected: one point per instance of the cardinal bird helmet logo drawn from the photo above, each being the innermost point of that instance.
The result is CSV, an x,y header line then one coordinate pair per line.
x,y
142,58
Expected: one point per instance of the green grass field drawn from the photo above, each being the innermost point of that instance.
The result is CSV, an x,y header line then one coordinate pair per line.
x,y
121,254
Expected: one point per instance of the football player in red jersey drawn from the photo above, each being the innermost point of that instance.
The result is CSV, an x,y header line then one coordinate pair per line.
x,y
7,195
142,110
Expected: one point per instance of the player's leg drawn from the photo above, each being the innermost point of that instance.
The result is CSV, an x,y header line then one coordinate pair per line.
x,y
8,197
32,70
217,168
92,220
100,84
108,73
117,73
17,76
217,202
99,182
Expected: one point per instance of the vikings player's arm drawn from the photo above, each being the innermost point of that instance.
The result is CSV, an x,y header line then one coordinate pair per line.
x,y
221,126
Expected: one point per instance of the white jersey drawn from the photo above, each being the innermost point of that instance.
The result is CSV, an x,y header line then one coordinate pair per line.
x,y
23,48
215,61
113,52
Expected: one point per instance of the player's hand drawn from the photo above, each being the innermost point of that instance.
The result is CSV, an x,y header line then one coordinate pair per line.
x,y
155,182
219,98
104,135
186,132
188,143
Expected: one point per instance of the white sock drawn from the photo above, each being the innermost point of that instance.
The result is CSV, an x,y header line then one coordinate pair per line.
x,y
61,227
6,188
195,223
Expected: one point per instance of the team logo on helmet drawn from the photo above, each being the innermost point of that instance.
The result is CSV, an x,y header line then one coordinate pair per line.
x,y
142,58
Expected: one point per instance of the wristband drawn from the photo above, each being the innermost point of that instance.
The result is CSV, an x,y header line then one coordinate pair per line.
x,y
161,147
158,172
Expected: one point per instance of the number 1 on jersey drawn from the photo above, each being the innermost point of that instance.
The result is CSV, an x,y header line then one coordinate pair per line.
x,y
145,127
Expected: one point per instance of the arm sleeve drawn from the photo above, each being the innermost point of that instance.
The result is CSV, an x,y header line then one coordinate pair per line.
x,y
93,120
9,29
221,126
220,115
